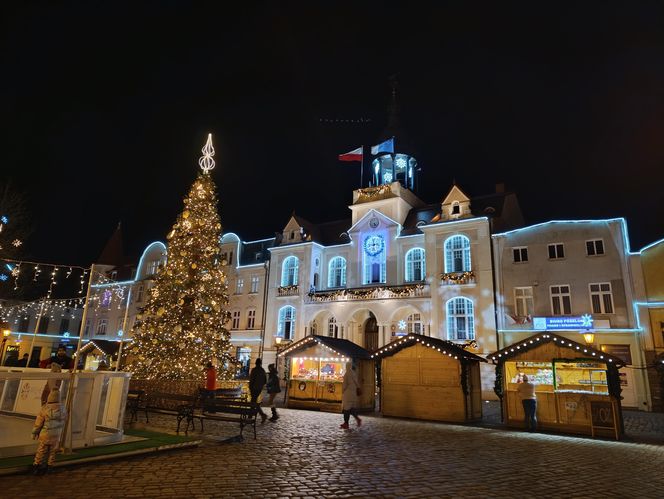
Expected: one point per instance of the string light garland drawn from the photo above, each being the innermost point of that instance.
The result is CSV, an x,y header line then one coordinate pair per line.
x,y
443,346
380,292
458,277
182,326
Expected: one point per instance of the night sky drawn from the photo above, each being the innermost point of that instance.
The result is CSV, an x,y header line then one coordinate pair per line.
x,y
105,109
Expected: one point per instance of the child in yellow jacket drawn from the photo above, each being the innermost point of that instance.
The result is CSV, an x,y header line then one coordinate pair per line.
x,y
48,428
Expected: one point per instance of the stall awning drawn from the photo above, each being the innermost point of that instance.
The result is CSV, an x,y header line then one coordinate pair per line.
x,y
443,346
338,346
542,338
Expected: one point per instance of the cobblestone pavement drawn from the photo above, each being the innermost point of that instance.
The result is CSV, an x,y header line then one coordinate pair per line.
x,y
305,454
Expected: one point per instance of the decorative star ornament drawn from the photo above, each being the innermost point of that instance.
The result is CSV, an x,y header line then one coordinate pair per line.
x,y
206,162
587,320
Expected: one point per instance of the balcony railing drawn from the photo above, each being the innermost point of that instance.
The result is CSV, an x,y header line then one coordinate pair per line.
x,y
451,278
372,293
288,290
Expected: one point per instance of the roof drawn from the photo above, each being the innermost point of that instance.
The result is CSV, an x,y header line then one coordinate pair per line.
x,y
106,346
542,338
442,346
113,252
252,252
339,346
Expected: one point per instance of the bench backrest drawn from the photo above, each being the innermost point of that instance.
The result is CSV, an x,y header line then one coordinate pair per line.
x,y
231,407
169,400
231,393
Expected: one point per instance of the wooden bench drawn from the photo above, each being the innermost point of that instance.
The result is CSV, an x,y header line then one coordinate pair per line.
x,y
135,402
231,410
181,406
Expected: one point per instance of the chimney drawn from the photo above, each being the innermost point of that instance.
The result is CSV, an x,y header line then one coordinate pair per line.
x,y
500,188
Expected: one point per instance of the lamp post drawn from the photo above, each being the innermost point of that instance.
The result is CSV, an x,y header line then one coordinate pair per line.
x,y
589,338
5,334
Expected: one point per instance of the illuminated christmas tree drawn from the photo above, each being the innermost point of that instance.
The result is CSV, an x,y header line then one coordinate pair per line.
x,y
182,327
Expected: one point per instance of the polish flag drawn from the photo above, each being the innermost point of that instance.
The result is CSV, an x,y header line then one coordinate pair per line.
x,y
354,155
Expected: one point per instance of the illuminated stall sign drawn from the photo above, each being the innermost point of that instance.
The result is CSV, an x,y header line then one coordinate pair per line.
x,y
563,323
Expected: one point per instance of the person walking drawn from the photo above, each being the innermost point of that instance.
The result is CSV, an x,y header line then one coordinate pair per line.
x,y
47,429
272,389
257,380
526,391
350,391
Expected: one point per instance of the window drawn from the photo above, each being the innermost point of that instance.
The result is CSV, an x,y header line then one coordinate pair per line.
x,y
139,298
456,210
332,328
239,285
289,271
523,301
43,325
153,267
314,327
601,298
101,327
251,318
520,254
86,331
595,247
286,326
374,267
255,280
114,275
414,324
561,300
457,254
336,272
460,319
230,258
258,255
235,319
415,265
64,326
23,324
556,251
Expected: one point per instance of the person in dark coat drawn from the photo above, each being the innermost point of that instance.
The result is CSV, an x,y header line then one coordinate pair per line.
x,y
257,380
60,358
24,361
272,389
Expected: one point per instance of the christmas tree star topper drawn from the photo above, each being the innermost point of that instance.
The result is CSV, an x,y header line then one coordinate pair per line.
x,y
206,162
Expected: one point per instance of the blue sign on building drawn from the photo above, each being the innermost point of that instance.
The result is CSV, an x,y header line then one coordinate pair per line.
x,y
563,322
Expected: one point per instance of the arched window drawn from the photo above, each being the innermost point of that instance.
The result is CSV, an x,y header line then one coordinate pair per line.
x,y
414,324
314,327
415,265
457,254
460,319
336,272
332,328
286,326
289,271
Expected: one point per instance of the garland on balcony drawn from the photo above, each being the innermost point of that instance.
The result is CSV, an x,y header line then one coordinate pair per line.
x,y
397,292
287,289
457,276
374,192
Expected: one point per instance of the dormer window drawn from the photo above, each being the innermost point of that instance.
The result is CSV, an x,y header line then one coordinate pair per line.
x,y
456,209
292,235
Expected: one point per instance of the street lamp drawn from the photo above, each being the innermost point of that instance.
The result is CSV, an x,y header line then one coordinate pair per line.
x,y
5,334
589,338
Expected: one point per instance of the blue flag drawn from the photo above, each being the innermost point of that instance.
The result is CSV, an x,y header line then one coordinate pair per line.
x,y
387,146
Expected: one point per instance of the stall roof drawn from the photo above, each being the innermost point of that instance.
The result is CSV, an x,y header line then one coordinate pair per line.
x,y
339,346
106,346
443,346
542,338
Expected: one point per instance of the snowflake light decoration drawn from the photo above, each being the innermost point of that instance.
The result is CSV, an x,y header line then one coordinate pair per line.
x,y
387,177
402,325
4,219
587,320
16,243
3,277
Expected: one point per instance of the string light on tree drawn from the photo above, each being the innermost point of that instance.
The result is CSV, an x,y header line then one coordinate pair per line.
x,y
182,326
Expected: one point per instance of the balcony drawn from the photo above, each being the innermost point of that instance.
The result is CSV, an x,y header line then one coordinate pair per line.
x,y
293,290
370,293
454,278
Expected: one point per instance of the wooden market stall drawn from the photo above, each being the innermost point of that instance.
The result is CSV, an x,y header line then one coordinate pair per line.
x,y
429,378
577,386
315,368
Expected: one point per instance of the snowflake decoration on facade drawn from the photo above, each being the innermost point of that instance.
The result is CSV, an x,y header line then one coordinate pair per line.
x,y
4,219
401,163
402,325
586,320
17,243
387,177
3,277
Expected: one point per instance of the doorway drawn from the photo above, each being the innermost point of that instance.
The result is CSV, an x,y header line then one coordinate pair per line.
x,y
371,333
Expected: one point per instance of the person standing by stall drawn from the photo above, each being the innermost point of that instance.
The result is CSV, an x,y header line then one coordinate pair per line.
x,y
350,391
272,389
257,380
526,391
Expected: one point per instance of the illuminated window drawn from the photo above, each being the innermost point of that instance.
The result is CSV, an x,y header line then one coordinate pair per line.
x,y
239,286
336,274
101,327
235,322
254,283
523,301
556,251
286,325
251,318
601,298
457,254
414,324
561,300
332,328
595,247
153,267
415,265
289,271
520,254
460,319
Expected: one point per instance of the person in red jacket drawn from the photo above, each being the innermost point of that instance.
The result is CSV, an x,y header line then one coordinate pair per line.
x,y
210,382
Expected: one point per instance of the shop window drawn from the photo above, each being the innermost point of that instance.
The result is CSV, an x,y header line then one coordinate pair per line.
x,y
523,301
251,318
460,319
457,254
243,356
601,298
561,300
336,274
520,254
286,324
595,247
415,265
289,271
556,251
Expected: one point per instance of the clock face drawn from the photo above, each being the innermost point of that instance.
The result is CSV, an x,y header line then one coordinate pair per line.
x,y
373,245
373,223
